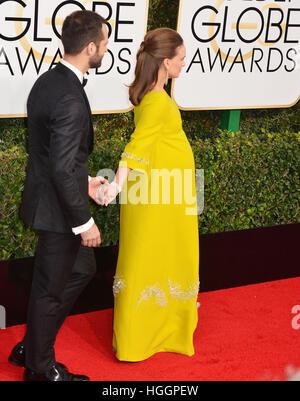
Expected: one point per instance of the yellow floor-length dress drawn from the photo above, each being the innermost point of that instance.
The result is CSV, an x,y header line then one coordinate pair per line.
x,y
157,276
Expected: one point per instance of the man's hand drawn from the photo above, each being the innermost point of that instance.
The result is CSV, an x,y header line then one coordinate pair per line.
x,y
94,184
91,238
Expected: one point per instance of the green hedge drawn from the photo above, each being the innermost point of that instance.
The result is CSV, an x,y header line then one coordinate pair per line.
x,y
251,177
15,239
250,181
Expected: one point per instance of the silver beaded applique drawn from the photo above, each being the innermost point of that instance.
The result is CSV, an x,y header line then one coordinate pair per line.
x,y
177,291
154,290
119,283
132,156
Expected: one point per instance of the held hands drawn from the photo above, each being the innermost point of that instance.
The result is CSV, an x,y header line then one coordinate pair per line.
x,y
94,184
101,191
106,194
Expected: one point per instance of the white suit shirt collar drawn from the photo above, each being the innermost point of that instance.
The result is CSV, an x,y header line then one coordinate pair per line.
x,y
78,73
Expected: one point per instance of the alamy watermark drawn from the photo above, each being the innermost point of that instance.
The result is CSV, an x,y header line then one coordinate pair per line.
x,y
2,317
296,319
176,186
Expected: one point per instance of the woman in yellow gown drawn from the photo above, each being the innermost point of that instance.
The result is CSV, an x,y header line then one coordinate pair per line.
x,y
157,276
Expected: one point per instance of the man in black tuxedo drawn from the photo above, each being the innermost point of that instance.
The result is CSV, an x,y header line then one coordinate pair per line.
x,y
56,195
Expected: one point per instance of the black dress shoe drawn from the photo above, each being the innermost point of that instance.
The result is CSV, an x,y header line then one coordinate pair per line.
x,y
55,374
17,356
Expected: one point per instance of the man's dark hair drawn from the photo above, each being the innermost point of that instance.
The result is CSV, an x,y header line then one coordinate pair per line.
x,y
79,29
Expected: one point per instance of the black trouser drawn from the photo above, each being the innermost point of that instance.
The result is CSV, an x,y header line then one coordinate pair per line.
x,y
62,269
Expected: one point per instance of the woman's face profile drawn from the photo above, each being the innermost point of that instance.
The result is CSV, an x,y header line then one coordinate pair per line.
x,y
176,64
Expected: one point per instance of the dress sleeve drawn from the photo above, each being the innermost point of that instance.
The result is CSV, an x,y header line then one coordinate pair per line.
x,y
149,122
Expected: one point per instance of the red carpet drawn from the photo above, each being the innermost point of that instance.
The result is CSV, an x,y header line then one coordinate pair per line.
x,y
243,333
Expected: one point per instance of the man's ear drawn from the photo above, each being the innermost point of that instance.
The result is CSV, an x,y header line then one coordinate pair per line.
x,y
91,48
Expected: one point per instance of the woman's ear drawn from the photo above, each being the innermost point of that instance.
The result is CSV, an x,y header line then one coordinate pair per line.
x,y
166,63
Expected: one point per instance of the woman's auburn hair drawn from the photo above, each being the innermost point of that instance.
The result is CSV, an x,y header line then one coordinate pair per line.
x,y
159,44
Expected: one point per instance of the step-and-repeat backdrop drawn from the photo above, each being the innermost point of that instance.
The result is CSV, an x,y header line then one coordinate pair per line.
x,y
240,53
30,45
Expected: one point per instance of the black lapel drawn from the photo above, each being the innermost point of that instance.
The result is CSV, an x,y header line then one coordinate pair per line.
x,y
91,135
71,75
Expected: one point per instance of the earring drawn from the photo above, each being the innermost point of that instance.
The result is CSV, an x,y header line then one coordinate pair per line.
x,y
167,77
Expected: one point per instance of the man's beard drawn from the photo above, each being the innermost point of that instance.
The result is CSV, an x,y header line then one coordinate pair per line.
x,y
95,61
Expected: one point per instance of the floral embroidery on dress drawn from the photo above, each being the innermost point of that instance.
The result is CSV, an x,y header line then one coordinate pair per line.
x,y
155,291
132,156
118,284
177,291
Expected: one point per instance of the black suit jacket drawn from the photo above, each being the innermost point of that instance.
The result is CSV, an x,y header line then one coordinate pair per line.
x,y
55,196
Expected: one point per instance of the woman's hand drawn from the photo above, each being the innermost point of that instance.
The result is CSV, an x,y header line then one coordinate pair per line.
x,y
110,193
102,191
